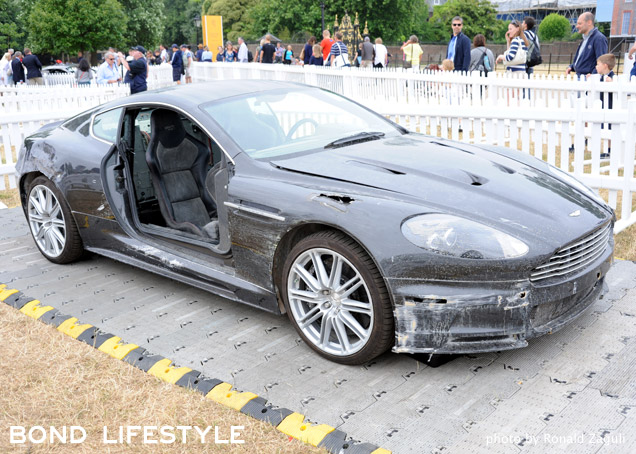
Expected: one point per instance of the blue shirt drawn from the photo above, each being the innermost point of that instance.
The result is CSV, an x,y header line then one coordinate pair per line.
x,y
107,72
451,48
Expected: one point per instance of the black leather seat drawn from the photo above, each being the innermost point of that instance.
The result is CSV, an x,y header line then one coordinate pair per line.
x,y
178,166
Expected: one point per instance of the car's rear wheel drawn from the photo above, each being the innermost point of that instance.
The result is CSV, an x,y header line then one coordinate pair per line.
x,y
51,222
336,298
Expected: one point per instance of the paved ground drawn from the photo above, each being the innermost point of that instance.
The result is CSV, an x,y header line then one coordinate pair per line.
x,y
573,391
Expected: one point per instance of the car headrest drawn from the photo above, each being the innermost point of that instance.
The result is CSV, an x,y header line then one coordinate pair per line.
x,y
167,127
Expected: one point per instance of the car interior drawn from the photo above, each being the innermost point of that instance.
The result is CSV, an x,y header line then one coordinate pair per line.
x,y
173,164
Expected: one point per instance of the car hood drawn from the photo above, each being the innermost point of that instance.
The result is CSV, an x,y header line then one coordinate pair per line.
x,y
497,186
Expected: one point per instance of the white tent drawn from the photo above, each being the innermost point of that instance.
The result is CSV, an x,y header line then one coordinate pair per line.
x,y
528,5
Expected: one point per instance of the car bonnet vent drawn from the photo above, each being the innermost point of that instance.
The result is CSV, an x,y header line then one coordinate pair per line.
x,y
377,167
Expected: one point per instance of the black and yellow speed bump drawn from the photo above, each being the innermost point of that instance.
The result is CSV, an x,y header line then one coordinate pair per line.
x,y
287,421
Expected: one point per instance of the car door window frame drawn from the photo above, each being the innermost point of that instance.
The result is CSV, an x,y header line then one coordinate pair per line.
x,y
182,112
119,123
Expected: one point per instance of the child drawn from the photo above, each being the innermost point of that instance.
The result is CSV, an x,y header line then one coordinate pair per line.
x,y
316,57
448,65
289,55
604,66
278,55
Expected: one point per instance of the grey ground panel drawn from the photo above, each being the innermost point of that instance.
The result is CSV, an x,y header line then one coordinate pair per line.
x,y
572,391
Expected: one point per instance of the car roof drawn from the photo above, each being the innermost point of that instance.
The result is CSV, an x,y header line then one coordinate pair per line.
x,y
192,95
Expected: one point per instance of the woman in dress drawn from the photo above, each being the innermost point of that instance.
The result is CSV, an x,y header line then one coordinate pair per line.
x,y
5,70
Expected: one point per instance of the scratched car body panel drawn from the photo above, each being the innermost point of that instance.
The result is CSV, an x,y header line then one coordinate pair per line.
x,y
293,199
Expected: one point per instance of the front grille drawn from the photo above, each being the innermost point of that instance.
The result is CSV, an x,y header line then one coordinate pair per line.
x,y
574,256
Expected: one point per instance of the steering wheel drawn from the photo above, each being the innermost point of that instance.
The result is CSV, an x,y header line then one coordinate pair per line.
x,y
298,124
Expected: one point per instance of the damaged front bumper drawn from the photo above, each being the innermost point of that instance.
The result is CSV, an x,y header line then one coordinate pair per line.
x,y
469,317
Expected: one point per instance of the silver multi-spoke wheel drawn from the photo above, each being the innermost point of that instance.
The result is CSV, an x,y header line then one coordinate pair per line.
x,y
46,220
51,222
336,298
330,301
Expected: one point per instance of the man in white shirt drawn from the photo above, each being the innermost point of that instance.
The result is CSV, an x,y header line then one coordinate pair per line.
x,y
163,56
381,54
242,52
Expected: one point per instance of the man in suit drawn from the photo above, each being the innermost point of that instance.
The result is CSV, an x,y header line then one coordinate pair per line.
x,y
33,67
594,45
17,68
459,46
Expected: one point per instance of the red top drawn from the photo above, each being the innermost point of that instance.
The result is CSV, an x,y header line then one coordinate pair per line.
x,y
325,45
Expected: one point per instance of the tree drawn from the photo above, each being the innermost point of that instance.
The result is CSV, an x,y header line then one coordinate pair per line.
x,y
479,16
145,22
72,26
554,26
389,19
235,15
179,22
10,26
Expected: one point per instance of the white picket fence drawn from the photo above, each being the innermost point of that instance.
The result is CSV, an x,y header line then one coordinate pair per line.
x,y
542,116
397,86
26,108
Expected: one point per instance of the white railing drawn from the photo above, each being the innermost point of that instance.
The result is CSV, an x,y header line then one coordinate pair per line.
x,y
426,89
59,79
63,99
26,108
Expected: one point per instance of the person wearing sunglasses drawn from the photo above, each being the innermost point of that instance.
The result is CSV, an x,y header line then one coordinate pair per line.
x,y
459,46
108,72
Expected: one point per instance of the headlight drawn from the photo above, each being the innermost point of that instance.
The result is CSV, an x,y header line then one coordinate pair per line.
x,y
569,179
459,237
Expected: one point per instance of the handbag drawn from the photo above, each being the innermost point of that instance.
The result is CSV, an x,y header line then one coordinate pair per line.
x,y
302,54
342,59
408,64
520,56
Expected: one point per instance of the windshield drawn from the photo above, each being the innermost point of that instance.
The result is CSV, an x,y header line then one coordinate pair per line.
x,y
271,124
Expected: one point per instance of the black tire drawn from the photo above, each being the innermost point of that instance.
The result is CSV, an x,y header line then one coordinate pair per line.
x,y
369,302
57,238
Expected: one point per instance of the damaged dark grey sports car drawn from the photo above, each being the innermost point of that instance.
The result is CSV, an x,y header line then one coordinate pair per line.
x,y
293,199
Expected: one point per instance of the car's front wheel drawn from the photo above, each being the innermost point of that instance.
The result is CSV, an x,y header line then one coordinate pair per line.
x,y
336,298
51,223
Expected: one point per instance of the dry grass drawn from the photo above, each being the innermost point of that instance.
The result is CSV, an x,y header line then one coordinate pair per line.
x,y
51,379
9,197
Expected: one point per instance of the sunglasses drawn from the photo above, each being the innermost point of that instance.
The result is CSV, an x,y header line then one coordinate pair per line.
x,y
457,25
514,22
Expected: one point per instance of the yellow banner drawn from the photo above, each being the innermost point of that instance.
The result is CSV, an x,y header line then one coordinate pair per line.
x,y
213,33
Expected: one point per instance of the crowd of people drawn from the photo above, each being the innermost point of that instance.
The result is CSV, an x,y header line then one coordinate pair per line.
x,y
20,68
522,54
523,50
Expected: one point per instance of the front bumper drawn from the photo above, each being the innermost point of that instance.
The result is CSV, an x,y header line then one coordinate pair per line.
x,y
471,317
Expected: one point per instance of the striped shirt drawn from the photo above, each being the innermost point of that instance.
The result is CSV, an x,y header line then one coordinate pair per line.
x,y
338,48
511,53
